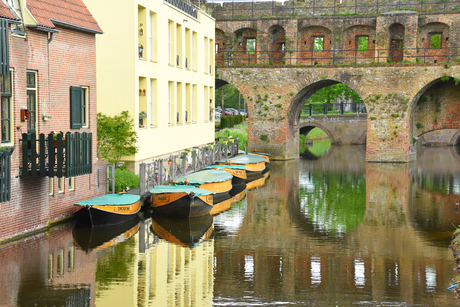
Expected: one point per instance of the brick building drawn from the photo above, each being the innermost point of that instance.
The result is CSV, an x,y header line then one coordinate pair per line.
x,y
48,85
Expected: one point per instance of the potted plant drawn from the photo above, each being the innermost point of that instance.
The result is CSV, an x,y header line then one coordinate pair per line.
x,y
169,161
142,116
46,117
55,134
141,49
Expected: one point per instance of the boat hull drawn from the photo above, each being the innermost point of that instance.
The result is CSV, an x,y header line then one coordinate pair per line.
x,y
220,189
181,205
105,215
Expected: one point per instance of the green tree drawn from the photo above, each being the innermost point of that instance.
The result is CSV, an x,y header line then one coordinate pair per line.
x,y
230,97
115,136
330,93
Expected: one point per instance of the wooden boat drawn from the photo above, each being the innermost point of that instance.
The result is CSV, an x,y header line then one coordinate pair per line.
x,y
263,155
237,171
100,238
254,164
185,232
217,181
108,209
181,200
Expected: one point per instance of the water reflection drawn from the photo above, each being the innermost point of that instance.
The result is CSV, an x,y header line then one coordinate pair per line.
x,y
334,231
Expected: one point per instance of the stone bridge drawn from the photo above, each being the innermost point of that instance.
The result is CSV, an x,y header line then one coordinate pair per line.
x,y
346,129
404,65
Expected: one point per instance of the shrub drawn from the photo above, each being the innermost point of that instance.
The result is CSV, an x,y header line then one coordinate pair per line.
x,y
124,179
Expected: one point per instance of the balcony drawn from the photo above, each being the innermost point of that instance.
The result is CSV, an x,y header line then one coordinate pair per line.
x,y
67,156
187,8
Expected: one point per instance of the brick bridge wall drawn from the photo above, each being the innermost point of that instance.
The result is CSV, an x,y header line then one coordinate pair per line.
x,y
275,96
275,90
346,129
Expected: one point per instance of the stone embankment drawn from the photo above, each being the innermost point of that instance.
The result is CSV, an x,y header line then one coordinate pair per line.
x,y
455,284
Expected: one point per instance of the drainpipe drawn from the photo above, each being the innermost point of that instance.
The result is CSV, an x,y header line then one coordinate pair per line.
x,y
51,37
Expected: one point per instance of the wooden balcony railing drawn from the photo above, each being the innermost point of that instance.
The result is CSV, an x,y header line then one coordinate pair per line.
x,y
68,156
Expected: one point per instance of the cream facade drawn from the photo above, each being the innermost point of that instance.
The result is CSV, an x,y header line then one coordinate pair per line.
x,y
157,57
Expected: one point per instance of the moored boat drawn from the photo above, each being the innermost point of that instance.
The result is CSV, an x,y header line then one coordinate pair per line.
x,y
266,156
254,164
108,209
237,171
181,200
217,181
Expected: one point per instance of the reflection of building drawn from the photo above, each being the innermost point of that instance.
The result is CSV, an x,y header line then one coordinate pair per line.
x,y
161,274
48,83
46,269
156,58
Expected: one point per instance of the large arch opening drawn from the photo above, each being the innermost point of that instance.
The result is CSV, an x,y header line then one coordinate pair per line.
x,y
436,113
321,111
277,45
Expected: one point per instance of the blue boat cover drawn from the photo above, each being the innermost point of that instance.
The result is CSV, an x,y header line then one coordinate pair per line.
x,y
225,166
167,189
110,200
206,176
260,153
244,159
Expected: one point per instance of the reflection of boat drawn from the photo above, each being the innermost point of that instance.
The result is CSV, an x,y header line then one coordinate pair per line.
x,y
108,209
98,238
181,200
237,171
237,193
217,181
186,232
254,164
255,183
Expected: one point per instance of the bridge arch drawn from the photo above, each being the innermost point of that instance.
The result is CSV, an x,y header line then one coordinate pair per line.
x,y
308,90
437,107
305,128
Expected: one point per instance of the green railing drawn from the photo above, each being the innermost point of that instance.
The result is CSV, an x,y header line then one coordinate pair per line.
x,y
5,174
55,155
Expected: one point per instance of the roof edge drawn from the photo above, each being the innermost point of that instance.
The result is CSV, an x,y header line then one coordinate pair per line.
x,y
41,28
65,24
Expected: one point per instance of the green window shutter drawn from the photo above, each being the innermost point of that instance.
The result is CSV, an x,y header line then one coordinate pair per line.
x,y
76,118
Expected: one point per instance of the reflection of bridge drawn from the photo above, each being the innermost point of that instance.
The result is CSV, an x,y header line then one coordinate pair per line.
x,y
319,262
403,101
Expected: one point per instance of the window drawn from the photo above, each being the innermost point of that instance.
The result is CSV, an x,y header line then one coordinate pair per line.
x,y
153,36
206,104
318,44
71,183
61,185
17,28
251,45
153,102
171,102
6,89
171,42
179,103
51,190
187,48
211,57
216,48
32,101
435,40
188,98
206,54
179,45
78,107
363,42
194,51
194,97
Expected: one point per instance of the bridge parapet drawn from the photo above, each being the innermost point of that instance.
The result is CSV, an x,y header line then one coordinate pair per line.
x,y
389,38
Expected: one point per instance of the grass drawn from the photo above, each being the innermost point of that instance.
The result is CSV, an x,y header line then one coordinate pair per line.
x,y
239,131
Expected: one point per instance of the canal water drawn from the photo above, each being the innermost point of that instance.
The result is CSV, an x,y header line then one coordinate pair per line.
x,y
327,229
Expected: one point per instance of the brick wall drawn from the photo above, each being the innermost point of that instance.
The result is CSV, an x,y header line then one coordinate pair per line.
x,y
68,60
